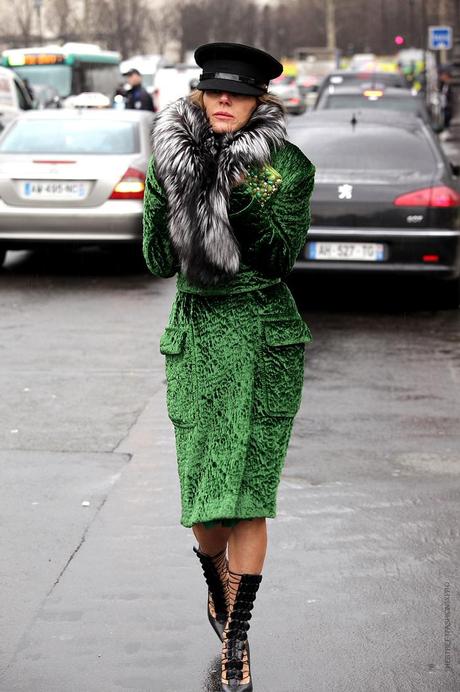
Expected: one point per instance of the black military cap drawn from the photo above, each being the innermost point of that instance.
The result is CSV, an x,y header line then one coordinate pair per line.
x,y
236,68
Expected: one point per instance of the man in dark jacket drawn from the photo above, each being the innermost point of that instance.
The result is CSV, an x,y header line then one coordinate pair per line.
x,y
137,97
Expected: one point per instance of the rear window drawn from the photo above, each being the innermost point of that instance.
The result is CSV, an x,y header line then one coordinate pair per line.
x,y
409,105
71,136
358,78
387,152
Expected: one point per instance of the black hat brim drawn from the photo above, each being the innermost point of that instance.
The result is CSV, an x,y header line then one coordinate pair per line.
x,y
231,86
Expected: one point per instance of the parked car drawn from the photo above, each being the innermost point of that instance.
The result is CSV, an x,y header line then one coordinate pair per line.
x,y
386,199
375,97
347,78
14,97
287,89
74,177
361,61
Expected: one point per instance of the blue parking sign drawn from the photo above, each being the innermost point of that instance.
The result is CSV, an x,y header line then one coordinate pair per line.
x,y
440,37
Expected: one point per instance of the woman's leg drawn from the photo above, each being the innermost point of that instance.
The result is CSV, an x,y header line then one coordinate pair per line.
x,y
247,543
247,547
213,540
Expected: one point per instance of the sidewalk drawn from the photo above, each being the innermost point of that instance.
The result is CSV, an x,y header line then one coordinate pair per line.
x,y
115,619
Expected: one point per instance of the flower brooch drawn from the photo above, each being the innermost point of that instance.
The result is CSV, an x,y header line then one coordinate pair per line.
x,y
263,182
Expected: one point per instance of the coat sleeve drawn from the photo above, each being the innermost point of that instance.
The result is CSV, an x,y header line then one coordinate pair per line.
x,y
271,233
157,247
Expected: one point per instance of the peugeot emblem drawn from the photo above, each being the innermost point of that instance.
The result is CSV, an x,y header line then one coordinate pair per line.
x,y
345,191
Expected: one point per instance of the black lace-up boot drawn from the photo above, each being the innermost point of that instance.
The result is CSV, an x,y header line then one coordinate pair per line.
x,y
236,662
215,570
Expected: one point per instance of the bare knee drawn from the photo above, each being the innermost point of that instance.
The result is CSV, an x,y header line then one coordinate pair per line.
x,y
211,540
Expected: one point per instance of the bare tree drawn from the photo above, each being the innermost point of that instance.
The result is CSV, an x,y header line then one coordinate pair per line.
x,y
62,20
164,25
195,25
122,25
292,24
266,21
24,15
249,23
203,21
229,21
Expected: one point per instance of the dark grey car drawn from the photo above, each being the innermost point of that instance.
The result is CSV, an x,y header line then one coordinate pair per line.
x,y
349,78
386,199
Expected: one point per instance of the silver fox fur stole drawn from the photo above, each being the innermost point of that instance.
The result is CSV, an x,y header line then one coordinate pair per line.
x,y
197,170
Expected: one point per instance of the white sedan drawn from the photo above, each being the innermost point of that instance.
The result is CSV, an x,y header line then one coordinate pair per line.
x,y
73,176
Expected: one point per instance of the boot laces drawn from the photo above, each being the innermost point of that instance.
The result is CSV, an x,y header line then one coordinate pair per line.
x,y
215,570
242,589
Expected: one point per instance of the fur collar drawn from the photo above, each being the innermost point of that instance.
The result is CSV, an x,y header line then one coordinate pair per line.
x,y
197,170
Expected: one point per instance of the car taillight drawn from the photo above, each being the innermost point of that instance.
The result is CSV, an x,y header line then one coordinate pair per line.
x,y
439,196
131,186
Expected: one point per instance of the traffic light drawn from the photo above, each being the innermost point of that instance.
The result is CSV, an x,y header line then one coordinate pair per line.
x,y
399,40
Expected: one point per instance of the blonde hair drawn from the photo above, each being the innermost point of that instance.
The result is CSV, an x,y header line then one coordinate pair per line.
x,y
196,97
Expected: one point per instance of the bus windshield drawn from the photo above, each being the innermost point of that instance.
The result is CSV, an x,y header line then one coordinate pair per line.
x,y
57,76
69,79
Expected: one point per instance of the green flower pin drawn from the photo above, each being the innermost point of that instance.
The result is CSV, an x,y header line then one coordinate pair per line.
x,y
263,182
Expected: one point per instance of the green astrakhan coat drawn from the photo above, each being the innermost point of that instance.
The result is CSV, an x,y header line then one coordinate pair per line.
x,y
234,350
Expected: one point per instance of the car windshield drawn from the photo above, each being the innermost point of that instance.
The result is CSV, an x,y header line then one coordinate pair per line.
x,y
409,105
388,152
71,136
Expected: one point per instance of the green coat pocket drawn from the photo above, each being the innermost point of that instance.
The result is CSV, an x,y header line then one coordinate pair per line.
x,y
175,345
283,353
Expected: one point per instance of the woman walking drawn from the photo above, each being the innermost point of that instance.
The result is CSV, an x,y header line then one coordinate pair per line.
x,y
227,208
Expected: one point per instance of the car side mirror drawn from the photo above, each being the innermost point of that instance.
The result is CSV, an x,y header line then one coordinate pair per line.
x,y
455,168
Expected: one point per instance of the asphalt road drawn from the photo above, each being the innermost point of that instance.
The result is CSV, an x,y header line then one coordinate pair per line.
x,y
100,590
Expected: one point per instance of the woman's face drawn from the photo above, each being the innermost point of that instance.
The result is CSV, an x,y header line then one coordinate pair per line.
x,y
228,112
